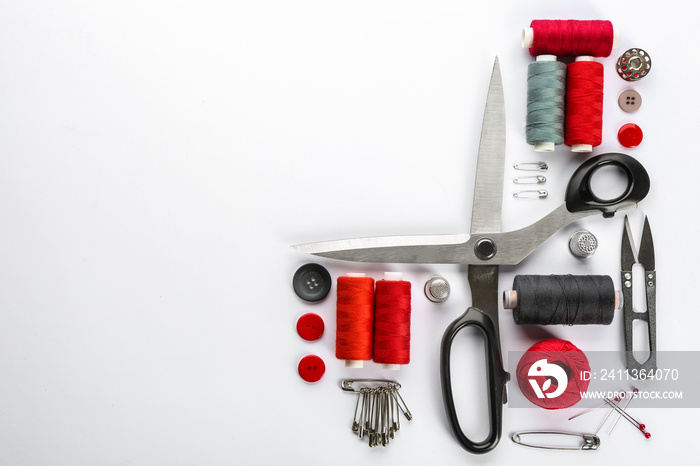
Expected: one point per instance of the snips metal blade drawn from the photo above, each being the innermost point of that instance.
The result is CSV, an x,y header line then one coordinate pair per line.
x,y
646,248
628,250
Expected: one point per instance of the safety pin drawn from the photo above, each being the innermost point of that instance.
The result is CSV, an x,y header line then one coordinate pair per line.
x,y
404,409
394,426
347,384
531,194
355,421
590,441
537,179
531,166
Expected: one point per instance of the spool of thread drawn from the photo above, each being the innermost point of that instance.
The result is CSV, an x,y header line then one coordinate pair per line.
x,y
562,299
392,321
570,38
584,104
546,103
354,319
551,374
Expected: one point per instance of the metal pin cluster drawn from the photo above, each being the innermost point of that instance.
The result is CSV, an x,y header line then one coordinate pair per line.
x,y
378,410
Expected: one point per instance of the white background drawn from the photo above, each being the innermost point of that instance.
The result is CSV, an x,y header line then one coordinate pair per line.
x,y
158,158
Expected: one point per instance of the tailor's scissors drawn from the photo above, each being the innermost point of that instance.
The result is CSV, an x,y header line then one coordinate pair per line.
x,y
487,247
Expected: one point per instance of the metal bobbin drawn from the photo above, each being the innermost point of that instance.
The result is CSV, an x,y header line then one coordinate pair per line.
x,y
634,64
583,244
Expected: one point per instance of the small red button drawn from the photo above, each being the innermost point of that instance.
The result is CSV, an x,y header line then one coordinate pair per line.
x,y
310,327
630,135
311,368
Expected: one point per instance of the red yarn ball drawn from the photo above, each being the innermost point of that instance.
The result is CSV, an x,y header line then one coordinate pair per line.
x,y
551,374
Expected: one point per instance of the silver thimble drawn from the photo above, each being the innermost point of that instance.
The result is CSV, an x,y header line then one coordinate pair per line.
x,y
583,244
437,289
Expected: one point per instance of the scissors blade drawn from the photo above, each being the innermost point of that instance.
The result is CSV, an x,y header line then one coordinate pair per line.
x,y
646,248
428,249
488,187
629,251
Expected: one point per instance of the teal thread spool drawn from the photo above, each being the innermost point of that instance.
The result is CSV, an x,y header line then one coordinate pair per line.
x,y
546,102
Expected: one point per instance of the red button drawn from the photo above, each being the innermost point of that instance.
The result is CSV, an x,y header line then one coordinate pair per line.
x,y
310,327
311,368
630,135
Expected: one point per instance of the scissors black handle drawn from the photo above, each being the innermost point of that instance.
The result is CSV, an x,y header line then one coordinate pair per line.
x,y
579,193
497,378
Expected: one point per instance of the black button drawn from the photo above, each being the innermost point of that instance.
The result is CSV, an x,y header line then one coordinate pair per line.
x,y
312,282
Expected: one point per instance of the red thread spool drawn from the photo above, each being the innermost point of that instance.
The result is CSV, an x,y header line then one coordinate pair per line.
x,y
584,104
392,321
354,319
558,382
570,38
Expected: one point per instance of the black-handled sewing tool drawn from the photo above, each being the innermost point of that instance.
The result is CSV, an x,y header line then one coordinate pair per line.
x,y
645,257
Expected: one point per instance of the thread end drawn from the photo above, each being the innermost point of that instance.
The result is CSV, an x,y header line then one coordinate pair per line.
x,y
510,299
353,364
393,276
544,147
391,367
581,148
527,38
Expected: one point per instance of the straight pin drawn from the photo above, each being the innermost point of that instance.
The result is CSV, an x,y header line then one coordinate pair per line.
x,y
617,398
613,405
634,392
632,421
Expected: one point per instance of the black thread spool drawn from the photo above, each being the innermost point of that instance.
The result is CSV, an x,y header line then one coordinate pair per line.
x,y
562,299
